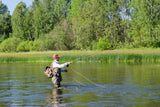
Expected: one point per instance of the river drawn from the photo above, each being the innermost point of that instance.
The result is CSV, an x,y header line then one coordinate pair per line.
x,y
84,85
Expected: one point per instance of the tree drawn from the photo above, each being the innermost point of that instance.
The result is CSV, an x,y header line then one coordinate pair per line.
x,y
3,8
145,22
6,25
28,26
38,19
76,6
18,19
88,22
5,22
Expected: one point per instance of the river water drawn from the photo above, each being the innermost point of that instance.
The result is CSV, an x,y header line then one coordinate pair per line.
x,y
84,85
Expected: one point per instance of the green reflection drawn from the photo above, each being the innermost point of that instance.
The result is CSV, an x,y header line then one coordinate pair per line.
x,y
23,84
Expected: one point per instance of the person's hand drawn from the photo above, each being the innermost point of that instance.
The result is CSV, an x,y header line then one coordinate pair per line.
x,y
69,63
66,70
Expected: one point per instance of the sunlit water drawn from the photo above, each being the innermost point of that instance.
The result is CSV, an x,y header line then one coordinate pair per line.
x,y
84,85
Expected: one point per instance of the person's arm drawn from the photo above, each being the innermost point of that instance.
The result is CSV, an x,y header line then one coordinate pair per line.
x,y
63,70
56,65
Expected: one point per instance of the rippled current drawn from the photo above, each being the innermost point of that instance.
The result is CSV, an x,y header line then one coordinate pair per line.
x,y
84,85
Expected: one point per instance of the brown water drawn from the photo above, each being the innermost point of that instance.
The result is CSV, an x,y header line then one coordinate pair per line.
x,y
85,85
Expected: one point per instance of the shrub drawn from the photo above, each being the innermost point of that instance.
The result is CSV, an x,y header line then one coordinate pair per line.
x,y
148,42
9,45
103,44
23,46
3,37
58,40
48,42
37,45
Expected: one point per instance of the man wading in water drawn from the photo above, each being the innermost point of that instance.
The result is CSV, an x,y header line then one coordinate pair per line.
x,y
55,70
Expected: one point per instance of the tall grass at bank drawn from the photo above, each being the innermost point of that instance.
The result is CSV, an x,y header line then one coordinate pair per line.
x,y
114,58
25,59
89,58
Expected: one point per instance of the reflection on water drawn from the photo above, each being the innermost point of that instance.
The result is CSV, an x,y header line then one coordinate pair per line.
x,y
55,98
93,85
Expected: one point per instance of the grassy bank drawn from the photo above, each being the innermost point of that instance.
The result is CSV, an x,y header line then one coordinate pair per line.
x,y
109,56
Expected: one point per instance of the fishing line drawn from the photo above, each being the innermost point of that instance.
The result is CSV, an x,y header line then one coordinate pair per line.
x,y
79,82
73,70
86,78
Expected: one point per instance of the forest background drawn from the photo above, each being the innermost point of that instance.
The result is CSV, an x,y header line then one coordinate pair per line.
x,y
80,25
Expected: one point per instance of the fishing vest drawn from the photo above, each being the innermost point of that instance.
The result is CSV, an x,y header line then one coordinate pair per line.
x,y
56,72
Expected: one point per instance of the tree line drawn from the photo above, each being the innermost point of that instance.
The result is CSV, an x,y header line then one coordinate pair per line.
x,y
80,24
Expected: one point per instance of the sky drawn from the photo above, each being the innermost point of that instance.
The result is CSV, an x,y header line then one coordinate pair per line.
x,y
11,4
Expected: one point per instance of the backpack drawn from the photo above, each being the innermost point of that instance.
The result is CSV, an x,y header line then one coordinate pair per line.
x,y
48,72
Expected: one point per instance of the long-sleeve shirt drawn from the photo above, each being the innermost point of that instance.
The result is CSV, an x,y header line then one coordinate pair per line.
x,y
55,64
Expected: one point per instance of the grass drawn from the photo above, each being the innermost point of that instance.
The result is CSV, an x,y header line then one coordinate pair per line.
x,y
109,56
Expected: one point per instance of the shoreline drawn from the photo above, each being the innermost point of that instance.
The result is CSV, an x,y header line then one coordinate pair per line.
x,y
108,56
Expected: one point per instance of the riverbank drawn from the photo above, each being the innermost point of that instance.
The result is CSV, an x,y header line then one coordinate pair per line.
x,y
108,56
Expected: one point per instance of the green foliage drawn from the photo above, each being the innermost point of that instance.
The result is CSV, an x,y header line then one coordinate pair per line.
x,y
28,29
38,19
3,8
37,45
23,46
103,44
5,22
145,22
9,45
2,38
82,24
76,6
48,42
88,23
18,17
61,38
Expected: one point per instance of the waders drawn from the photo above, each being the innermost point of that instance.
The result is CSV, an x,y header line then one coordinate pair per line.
x,y
57,78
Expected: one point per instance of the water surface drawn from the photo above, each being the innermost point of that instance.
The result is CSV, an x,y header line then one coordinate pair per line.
x,y
85,85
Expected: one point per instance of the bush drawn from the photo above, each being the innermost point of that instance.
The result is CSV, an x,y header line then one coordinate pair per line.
x,y
9,45
23,46
148,42
103,44
93,45
3,37
37,45
48,42
58,40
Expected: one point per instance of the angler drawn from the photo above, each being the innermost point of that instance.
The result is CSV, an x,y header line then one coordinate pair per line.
x,y
54,71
